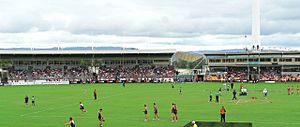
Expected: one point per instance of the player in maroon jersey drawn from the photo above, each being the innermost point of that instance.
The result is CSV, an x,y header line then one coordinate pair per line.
x,y
155,112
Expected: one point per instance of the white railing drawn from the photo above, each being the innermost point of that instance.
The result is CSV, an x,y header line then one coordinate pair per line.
x,y
37,82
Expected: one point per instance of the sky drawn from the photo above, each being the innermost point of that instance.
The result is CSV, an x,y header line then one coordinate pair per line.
x,y
184,25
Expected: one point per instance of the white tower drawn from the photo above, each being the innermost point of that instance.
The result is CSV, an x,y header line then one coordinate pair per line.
x,y
256,40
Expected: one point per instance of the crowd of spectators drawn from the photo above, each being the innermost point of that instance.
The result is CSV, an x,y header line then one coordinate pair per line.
x,y
17,75
237,74
215,77
135,73
290,77
266,74
103,73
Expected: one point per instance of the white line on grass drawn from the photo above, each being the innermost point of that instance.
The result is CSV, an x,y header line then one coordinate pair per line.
x,y
135,118
49,109
238,101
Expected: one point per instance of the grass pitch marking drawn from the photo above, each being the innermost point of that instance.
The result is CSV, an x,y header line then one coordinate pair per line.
x,y
135,118
50,109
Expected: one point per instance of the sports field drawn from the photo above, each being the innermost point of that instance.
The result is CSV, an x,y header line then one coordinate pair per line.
x,y
122,107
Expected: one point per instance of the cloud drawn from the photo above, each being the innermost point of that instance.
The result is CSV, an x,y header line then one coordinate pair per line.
x,y
202,42
184,25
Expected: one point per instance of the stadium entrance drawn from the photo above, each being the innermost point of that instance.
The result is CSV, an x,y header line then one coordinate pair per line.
x,y
3,76
254,73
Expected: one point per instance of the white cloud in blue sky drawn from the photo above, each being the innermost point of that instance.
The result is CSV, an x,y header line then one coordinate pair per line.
x,y
180,24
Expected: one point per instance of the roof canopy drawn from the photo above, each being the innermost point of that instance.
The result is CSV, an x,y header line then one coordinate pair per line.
x,y
165,51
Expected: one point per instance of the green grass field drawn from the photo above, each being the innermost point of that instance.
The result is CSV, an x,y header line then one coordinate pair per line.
x,y
122,107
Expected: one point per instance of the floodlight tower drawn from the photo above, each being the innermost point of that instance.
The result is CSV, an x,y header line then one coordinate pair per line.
x,y
256,40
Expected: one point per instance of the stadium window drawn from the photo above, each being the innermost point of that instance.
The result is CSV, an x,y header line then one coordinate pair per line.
x,y
15,62
265,60
297,59
218,60
68,62
229,60
26,63
275,60
281,60
77,62
241,60
144,61
285,60
253,60
158,61
288,60
38,62
262,59
56,62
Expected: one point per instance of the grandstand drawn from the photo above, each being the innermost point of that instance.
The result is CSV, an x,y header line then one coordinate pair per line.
x,y
92,66
260,65
20,67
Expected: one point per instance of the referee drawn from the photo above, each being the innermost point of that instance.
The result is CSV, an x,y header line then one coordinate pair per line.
x,y
234,95
222,113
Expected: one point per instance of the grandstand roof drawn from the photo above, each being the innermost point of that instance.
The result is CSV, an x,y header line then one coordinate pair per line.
x,y
263,52
165,51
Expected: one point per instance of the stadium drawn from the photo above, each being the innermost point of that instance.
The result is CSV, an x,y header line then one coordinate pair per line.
x,y
58,71
148,67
